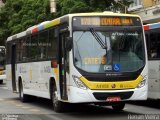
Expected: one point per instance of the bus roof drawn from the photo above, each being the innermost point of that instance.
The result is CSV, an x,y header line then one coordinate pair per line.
x,y
152,26
65,18
2,46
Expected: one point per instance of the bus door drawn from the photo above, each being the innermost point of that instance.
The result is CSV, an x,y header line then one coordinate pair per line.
x,y
13,67
63,69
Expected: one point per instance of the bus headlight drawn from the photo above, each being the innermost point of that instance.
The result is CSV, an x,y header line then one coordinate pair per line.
x,y
142,83
79,83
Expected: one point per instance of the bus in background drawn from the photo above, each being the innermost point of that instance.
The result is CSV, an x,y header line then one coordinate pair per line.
x,y
95,58
2,64
152,33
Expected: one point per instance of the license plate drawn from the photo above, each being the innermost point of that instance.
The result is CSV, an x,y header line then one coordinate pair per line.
x,y
113,99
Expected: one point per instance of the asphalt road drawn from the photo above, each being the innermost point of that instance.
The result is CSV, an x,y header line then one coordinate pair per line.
x,y
41,109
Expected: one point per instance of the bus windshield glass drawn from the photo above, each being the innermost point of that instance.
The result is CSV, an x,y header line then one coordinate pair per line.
x,y
2,58
120,49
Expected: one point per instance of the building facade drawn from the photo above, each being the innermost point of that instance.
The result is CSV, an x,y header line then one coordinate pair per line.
x,y
149,10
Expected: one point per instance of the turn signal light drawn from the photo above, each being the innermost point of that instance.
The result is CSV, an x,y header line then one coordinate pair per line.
x,y
54,64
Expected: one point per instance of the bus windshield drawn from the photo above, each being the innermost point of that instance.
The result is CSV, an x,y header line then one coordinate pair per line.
x,y
2,58
116,50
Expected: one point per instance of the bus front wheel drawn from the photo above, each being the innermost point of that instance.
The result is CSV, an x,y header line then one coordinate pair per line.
x,y
58,106
119,106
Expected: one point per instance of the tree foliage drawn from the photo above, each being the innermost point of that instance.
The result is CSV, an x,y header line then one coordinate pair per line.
x,y
18,15
76,6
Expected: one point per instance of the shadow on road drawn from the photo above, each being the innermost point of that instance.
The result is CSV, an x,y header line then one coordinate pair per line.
x,y
81,110
148,103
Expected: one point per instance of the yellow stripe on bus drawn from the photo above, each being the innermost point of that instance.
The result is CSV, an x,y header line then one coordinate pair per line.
x,y
111,85
30,74
55,70
52,23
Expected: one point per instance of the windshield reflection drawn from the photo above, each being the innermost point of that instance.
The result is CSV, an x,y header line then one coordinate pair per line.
x,y
123,51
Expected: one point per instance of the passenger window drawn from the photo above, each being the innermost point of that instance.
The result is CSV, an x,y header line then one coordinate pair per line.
x,y
43,39
33,47
52,43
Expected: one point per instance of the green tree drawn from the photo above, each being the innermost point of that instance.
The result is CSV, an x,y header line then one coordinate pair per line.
x,y
75,6
18,15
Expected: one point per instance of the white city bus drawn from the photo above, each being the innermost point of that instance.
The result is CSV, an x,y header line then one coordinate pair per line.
x,y
80,58
2,64
152,32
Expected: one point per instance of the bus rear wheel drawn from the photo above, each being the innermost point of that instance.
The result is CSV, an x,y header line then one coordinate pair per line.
x,y
22,96
58,106
119,106
1,82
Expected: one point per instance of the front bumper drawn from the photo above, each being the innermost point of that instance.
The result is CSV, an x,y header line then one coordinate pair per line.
x,y
76,95
2,77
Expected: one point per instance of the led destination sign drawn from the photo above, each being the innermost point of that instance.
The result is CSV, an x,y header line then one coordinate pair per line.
x,y
105,21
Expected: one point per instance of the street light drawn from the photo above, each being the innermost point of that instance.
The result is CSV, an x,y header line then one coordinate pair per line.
x,y
53,6
125,7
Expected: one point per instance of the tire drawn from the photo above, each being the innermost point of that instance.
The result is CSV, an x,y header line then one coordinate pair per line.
x,y
22,96
119,106
1,82
58,106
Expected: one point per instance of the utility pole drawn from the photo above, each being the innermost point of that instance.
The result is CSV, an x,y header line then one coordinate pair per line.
x,y
53,6
125,7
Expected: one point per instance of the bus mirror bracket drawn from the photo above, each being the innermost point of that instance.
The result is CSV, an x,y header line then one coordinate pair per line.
x,y
69,43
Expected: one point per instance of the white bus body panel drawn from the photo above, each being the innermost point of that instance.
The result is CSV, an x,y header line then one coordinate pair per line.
x,y
78,95
154,79
35,77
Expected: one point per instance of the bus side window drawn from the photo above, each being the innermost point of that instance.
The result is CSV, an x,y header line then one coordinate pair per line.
x,y
148,45
33,47
8,53
52,43
26,46
18,50
153,45
158,45
42,43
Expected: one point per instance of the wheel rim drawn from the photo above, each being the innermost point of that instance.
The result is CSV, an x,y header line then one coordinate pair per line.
x,y
55,98
21,92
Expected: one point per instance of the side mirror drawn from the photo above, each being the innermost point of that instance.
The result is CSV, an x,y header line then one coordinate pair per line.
x,y
69,43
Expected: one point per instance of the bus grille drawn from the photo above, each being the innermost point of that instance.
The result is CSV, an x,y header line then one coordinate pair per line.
x,y
104,96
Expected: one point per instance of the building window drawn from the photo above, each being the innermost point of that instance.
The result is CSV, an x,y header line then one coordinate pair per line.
x,y
135,5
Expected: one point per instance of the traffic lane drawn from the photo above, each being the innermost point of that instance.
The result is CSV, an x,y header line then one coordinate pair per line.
x,y
10,104
87,112
42,108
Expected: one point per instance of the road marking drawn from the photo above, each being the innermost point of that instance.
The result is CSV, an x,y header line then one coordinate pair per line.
x,y
19,105
10,101
5,88
26,107
34,110
53,117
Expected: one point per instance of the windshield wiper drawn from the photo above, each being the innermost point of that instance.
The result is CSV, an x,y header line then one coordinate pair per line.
x,y
98,38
